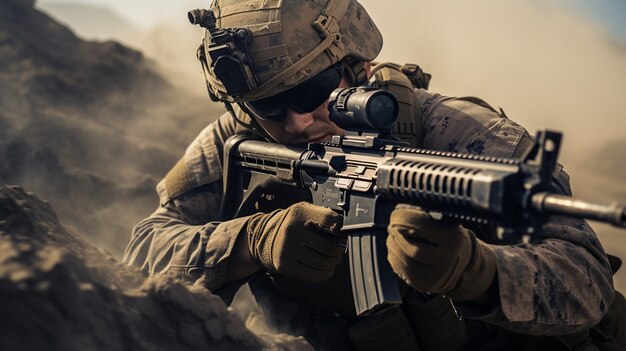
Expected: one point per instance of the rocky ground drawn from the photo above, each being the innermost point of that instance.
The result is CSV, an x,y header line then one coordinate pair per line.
x,y
58,292
91,127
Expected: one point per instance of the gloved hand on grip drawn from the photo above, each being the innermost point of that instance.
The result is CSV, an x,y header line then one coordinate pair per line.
x,y
299,242
437,259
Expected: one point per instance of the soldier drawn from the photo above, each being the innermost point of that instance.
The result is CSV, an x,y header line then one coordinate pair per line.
x,y
275,71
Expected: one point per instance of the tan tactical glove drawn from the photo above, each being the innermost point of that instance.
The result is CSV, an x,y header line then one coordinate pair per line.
x,y
432,258
299,242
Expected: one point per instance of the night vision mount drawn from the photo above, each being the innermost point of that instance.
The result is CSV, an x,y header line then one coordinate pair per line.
x,y
228,51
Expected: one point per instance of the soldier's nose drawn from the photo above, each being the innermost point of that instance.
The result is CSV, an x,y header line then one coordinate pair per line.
x,y
297,123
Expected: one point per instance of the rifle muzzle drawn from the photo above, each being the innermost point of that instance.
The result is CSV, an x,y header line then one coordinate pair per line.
x,y
553,204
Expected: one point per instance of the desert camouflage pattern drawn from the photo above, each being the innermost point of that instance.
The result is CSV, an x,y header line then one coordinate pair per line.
x,y
558,284
287,48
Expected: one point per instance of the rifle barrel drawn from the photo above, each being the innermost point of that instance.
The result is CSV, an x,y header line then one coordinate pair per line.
x,y
614,213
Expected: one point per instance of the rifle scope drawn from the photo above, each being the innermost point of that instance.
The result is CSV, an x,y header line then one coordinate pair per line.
x,y
363,109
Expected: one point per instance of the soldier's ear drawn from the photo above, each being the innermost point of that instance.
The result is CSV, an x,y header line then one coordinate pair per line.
x,y
368,68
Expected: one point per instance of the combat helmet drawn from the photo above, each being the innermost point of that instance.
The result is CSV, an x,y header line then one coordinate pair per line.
x,y
256,49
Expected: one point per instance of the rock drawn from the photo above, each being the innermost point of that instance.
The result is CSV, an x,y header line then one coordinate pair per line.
x,y
58,292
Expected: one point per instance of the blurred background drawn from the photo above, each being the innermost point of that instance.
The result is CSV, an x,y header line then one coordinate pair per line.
x,y
558,64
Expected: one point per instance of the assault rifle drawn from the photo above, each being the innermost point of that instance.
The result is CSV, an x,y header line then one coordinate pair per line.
x,y
363,175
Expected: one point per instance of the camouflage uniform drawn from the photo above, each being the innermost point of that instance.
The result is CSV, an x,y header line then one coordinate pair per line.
x,y
558,285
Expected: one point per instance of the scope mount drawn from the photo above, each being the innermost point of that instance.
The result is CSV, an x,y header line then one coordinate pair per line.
x,y
365,140
366,114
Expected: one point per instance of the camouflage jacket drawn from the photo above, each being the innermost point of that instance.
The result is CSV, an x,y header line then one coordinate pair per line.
x,y
558,285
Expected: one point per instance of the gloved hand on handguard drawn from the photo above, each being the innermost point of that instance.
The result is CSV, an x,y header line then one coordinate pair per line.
x,y
437,259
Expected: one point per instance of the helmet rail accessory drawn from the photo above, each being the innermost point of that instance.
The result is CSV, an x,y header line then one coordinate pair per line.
x,y
228,51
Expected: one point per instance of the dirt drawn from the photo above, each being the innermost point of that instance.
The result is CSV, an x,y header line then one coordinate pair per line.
x,y
58,292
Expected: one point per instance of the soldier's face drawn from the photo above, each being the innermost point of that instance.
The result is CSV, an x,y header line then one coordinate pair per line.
x,y
302,128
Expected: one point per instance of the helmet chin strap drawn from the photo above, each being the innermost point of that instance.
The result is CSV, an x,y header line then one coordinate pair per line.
x,y
355,71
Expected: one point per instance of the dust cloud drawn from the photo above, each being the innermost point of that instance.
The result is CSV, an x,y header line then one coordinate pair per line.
x,y
171,42
545,65
89,126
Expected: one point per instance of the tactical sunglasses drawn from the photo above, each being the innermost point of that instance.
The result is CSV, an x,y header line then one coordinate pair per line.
x,y
303,98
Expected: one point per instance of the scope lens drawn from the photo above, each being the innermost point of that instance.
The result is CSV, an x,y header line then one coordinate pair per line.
x,y
382,110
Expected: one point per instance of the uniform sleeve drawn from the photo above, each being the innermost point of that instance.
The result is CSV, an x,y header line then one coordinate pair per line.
x,y
558,284
183,237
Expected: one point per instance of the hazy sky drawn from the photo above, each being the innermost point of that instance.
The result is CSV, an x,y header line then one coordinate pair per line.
x,y
609,14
